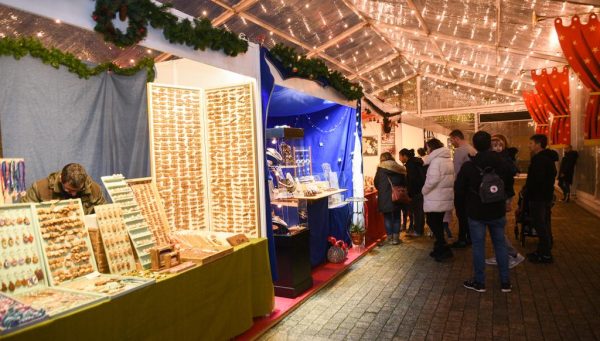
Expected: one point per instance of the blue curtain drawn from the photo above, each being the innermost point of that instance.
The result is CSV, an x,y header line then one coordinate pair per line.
x,y
51,117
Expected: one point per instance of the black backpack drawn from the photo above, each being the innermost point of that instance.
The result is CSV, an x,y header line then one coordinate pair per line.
x,y
491,189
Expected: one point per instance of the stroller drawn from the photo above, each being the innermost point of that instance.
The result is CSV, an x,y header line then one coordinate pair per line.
x,y
523,219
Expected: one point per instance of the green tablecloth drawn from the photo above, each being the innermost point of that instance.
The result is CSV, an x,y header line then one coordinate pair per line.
x,y
216,301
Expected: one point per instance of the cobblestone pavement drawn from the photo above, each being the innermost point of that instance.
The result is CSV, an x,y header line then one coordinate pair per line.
x,y
400,293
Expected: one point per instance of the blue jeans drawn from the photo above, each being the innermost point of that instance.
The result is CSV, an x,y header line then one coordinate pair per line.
x,y
391,221
478,229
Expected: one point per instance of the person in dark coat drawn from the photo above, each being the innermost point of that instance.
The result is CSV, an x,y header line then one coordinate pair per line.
x,y
389,173
565,174
484,216
415,179
539,193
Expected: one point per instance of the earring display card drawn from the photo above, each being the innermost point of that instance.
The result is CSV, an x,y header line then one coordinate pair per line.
x,y
21,267
137,226
177,153
233,192
115,238
146,194
65,242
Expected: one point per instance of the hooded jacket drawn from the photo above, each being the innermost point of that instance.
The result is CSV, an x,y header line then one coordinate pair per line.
x,y
438,191
415,176
396,173
468,181
50,188
540,176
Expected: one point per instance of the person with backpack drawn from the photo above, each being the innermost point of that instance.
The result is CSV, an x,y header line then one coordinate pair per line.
x,y
415,179
389,173
438,195
481,181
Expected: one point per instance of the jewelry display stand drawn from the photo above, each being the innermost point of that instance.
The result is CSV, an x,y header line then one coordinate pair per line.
x,y
115,238
137,227
200,247
67,252
27,280
204,158
152,208
12,180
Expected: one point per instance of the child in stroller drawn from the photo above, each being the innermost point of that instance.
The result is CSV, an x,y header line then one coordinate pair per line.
x,y
522,218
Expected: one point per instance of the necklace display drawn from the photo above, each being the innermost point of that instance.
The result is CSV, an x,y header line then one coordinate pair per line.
x,y
14,314
115,238
12,180
136,224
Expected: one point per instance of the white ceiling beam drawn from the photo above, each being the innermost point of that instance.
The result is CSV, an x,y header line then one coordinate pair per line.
x,y
425,28
483,45
498,32
492,72
398,82
231,11
338,38
296,41
473,86
375,65
477,109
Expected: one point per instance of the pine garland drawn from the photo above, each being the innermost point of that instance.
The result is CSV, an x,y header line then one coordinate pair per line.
x,y
315,69
198,34
20,47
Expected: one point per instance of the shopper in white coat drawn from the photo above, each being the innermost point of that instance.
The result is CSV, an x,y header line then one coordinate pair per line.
x,y
438,194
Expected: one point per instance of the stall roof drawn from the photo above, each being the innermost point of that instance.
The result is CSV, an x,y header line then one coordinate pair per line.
x,y
476,50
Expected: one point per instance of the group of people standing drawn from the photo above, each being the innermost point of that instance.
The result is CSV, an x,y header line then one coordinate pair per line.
x,y
478,184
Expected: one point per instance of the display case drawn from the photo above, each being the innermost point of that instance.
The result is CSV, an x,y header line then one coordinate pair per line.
x,y
204,157
139,231
115,238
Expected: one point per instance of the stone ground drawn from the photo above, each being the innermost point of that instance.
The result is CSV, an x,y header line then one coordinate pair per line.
x,y
400,293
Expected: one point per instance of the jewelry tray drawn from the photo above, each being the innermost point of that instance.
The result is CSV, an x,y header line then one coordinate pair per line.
x,y
137,226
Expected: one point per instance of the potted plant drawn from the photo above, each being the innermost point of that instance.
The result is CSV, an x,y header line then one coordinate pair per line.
x,y
357,233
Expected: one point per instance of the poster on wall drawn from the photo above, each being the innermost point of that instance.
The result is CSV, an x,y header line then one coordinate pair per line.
x,y
370,146
388,142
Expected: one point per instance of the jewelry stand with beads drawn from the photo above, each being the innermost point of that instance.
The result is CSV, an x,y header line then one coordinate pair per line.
x,y
151,206
12,180
68,255
22,272
115,238
137,226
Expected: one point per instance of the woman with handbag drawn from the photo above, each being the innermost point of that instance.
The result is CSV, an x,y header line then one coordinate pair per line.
x,y
438,194
390,178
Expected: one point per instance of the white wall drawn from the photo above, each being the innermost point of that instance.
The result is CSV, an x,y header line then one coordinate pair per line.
x,y
194,74
407,136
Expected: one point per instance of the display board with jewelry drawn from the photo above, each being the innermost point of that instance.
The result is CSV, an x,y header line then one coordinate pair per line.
x,y
21,266
12,180
66,245
233,189
178,161
115,238
137,225
112,285
150,203
58,301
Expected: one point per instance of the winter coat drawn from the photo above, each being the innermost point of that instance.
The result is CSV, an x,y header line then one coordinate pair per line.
x,y
396,173
415,176
509,182
50,188
539,185
468,181
567,166
438,191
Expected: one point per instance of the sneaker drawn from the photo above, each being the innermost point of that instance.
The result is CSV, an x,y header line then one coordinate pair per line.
x,y
459,244
535,257
506,287
491,261
514,261
474,286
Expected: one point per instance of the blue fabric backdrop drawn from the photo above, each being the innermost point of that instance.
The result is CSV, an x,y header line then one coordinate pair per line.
x,y
51,118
